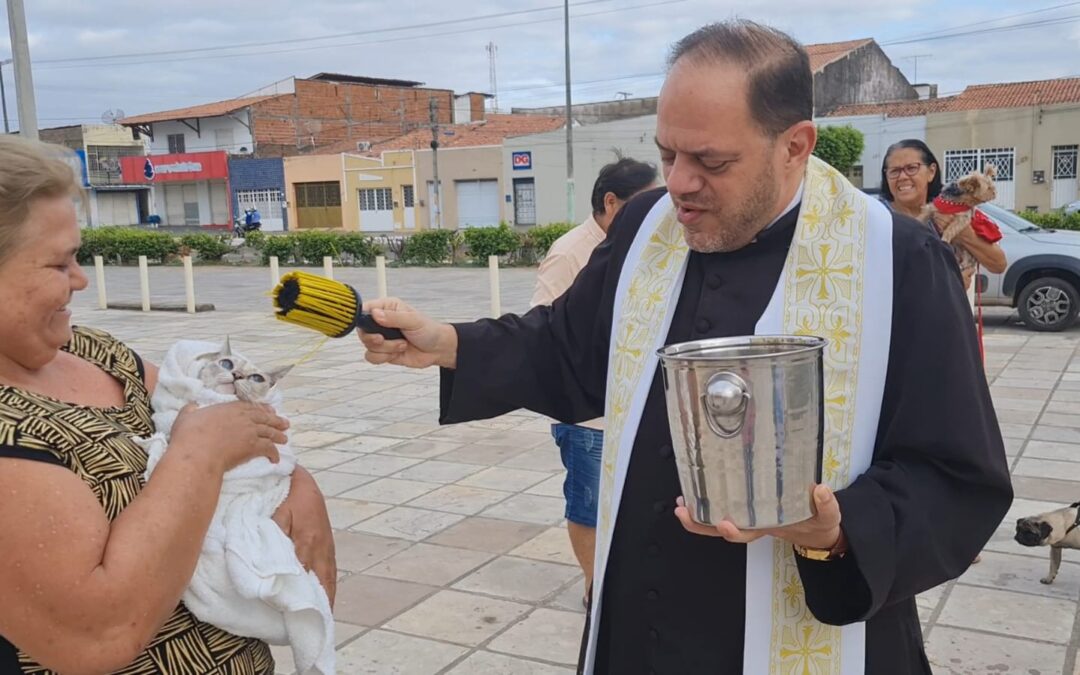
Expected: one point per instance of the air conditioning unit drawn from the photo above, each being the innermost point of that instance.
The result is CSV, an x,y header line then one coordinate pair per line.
x,y
363,146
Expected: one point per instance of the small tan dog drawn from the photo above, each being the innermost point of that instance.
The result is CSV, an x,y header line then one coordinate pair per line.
x,y
953,210
1056,529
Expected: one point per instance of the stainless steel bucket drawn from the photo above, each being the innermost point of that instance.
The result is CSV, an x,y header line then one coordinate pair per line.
x,y
746,416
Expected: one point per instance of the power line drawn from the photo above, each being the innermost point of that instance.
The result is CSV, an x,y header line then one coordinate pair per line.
x,y
203,57
314,38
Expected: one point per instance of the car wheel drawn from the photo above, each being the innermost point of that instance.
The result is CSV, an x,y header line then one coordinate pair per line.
x,y
1048,304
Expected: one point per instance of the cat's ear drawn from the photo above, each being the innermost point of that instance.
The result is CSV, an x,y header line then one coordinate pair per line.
x,y
276,374
226,349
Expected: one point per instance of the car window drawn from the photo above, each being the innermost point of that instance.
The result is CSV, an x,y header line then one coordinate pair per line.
x,y
1007,220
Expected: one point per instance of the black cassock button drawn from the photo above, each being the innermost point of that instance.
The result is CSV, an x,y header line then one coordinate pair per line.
x,y
652,595
653,549
659,507
665,451
713,282
654,634
702,325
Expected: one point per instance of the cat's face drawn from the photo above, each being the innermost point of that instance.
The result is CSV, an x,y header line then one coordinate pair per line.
x,y
232,374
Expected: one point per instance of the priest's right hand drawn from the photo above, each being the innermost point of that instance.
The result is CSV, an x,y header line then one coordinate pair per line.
x,y
427,342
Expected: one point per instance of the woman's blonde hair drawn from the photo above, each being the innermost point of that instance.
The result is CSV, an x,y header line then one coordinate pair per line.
x,y
30,170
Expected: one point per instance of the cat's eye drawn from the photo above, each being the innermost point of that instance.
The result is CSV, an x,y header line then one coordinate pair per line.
x,y
226,364
257,379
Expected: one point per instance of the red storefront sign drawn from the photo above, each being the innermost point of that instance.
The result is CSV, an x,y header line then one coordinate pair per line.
x,y
175,168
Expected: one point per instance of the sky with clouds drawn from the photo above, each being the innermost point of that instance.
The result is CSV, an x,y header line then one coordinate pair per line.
x,y
143,55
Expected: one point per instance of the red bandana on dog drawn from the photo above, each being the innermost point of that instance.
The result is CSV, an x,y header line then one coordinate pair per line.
x,y
983,226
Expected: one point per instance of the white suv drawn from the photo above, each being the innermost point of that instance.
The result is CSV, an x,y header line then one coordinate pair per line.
x,y
1043,276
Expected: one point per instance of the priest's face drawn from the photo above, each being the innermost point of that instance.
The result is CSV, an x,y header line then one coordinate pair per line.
x,y
723,171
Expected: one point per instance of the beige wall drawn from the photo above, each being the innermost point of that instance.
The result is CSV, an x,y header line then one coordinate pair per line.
x,y
1031,131
394,171
314,168
480,163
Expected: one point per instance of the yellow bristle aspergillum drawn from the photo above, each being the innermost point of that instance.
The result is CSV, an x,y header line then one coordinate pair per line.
x,y
318,303
325,305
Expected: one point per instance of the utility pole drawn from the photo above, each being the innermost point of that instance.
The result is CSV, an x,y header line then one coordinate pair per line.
x,y
3,96
625,94
569,120
24,81
436,207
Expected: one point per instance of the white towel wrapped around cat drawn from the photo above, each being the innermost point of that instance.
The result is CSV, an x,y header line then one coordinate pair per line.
x,y
248,580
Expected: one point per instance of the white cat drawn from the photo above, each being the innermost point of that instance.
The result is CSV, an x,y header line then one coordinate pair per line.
x,y
248,580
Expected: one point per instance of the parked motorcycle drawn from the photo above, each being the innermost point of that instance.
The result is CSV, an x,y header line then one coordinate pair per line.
x,y
250,222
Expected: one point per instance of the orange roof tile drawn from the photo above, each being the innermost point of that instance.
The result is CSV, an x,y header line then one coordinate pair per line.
x,y
214,109
1019,94
904,108
976,97
825,53
491,131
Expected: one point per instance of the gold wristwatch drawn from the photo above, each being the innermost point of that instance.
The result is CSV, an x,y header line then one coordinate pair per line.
x,y
823,554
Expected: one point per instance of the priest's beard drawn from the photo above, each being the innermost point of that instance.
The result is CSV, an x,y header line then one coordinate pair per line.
x,y
737,224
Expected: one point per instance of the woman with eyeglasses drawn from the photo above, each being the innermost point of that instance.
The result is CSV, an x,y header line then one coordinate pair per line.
x,y
910,179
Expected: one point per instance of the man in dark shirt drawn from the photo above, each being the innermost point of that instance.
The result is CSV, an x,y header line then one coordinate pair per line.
x,y
735,134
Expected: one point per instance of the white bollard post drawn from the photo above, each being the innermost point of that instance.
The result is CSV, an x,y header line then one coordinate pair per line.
x,y
493,268
328,267
274,276
189,284
99,269
380,275
144,283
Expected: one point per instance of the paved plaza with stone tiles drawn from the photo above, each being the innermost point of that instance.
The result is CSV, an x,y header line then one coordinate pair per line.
x,y
451,544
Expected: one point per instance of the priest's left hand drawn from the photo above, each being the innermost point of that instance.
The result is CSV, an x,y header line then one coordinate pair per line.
x,y
822,531
303,517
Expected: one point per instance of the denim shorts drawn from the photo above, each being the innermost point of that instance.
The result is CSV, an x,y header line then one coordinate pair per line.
x,y
581,449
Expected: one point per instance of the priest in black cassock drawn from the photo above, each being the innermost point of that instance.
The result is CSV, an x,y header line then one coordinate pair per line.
x,y
752,235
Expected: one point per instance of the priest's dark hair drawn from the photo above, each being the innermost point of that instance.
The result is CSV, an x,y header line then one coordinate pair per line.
x,y
781,86
933,189
624,178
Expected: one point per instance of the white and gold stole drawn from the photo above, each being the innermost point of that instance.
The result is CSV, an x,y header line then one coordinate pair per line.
x,y
836,283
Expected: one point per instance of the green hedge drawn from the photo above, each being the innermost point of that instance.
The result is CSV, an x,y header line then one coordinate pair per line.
x,y
208,246
543,236
311,246
361,249
126,244
429,247
281,245
1055,220
488,241
255,239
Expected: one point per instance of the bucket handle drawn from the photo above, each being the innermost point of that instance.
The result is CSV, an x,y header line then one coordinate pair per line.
x,y
726,395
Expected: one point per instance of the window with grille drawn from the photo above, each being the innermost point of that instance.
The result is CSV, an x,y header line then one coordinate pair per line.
x,y
176,143
317,194
959,163
1065,159
376,199
408,196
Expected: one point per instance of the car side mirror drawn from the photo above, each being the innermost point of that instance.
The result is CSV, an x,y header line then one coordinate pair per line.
x,y
982,282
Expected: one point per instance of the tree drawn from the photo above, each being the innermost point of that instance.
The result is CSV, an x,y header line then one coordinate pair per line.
x,y
840,147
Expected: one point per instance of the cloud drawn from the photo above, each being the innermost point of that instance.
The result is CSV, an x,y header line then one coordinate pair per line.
x,y
109,36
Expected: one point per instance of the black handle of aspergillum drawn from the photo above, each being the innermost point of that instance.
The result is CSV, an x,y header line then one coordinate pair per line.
x,y
368,324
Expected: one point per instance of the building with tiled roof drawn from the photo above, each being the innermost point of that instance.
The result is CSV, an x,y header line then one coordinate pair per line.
x,y
1030,131
304,115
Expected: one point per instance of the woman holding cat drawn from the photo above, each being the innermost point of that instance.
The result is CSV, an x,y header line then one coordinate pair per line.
x,y
910,179
92,561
